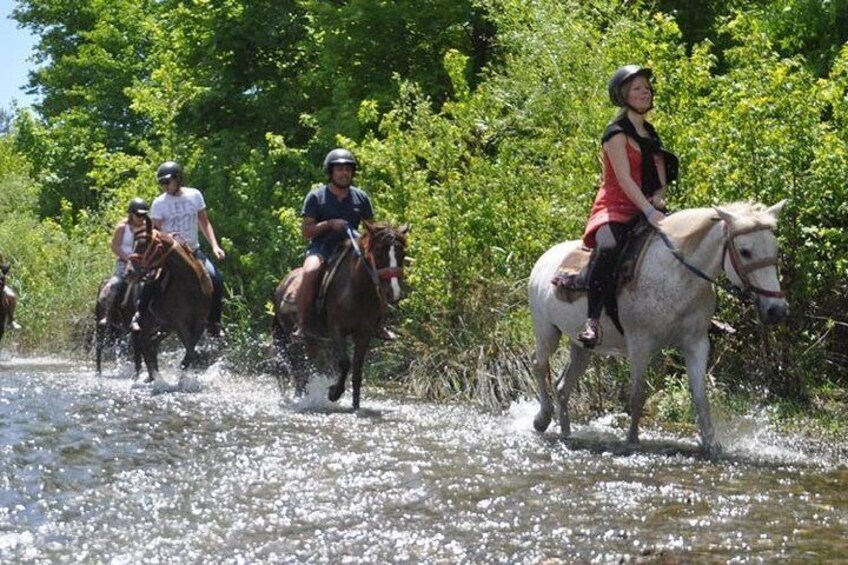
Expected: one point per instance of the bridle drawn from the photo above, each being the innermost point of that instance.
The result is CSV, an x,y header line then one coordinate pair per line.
x,y
156,252
749,290
377,275
743,271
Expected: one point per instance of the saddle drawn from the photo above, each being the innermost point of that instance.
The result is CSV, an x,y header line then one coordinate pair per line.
x,y
329,269
571,279
162,276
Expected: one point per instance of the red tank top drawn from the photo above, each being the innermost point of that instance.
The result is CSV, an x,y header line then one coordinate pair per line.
x,y
612,204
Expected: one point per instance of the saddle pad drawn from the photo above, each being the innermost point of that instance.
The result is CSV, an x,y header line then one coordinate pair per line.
x,y
570,279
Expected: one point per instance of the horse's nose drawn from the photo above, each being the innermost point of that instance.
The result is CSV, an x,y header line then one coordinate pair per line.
x,y
776,313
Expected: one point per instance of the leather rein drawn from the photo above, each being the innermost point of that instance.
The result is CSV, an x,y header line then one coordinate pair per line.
x,y
749,289
156,253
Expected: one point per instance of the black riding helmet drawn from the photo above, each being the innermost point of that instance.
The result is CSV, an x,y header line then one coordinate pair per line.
x,y
137,206
621,77
338,157
169,170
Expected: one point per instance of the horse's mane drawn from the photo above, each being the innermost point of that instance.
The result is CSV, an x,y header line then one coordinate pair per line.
x,y
689,227
184,253
381,233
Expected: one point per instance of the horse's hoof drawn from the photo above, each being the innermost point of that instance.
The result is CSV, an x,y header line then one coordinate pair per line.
x,y
334,393
541,422
713,451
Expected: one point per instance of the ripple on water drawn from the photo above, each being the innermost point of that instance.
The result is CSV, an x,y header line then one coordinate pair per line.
x,y
98,471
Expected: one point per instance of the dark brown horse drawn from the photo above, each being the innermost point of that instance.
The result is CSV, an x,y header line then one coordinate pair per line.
x,y
364,282
5,302
180,300
118,313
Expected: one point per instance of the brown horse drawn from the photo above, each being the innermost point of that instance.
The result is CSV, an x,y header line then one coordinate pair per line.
x,y
119,312
180,302
361,285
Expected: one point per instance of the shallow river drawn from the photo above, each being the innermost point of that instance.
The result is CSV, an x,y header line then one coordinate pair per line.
x,y
228,470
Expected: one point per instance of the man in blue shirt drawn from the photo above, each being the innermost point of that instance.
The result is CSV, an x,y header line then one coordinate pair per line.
x,y
327,212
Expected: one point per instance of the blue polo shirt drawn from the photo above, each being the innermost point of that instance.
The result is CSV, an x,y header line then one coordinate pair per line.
x,y
321,204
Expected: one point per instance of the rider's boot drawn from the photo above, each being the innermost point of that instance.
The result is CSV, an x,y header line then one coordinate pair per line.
x,y
105,304
590,335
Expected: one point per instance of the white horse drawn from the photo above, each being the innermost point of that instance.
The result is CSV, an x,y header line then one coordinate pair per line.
x,y
668,306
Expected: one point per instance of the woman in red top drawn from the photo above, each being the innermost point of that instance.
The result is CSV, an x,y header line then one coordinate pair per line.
x,y
636,170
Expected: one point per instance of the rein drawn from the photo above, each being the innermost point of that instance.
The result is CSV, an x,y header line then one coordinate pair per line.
x,y
747,293
154,256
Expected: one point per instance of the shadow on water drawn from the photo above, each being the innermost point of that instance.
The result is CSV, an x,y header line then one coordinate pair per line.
x,y
602,443
598,443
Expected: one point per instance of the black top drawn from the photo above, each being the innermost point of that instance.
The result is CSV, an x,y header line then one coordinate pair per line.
x,y
321,204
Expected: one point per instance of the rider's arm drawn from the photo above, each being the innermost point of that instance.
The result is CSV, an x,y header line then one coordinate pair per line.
x,y
616,148
117,237
658,198
209,233
310,229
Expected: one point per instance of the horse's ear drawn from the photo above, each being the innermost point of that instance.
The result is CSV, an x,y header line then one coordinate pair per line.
x,y
404,229
774,211
725,215
369,227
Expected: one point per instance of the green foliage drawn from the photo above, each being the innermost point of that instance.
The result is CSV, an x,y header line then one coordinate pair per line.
x,y
477,122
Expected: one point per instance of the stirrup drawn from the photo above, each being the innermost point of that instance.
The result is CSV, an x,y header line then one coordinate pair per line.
x,y
590,336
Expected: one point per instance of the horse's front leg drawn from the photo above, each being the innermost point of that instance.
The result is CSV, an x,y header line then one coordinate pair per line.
x,y
135,344
191,355
360,350
150,353
337,390
696,354
99,339
638,356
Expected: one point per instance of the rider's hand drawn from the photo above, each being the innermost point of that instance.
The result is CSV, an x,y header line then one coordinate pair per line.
x,y
219,253
654,217
658,202
338,224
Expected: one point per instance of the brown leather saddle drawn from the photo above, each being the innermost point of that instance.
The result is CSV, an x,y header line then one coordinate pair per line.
x,y
329,269
571,279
